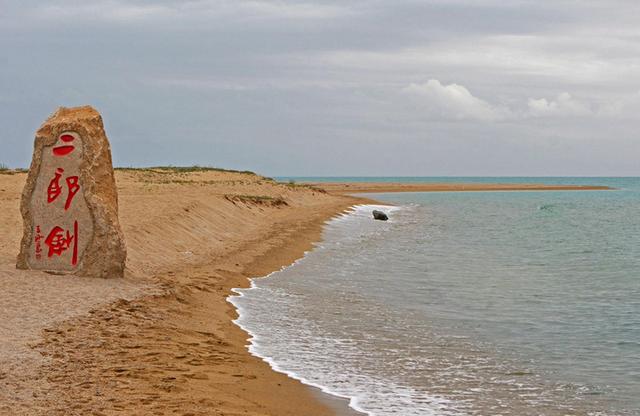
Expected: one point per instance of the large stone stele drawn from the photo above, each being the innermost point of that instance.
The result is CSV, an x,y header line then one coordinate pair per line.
x,y
70,202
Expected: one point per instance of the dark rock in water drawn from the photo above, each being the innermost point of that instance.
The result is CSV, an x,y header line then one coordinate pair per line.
x,y
379,215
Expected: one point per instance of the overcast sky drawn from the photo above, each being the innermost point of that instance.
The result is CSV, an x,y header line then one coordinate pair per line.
x,y
379,87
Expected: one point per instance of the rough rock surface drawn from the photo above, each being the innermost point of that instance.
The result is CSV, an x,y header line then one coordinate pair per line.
x,y
69,204
379,215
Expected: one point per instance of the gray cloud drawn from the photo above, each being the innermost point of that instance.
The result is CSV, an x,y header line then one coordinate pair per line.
x,y
331,87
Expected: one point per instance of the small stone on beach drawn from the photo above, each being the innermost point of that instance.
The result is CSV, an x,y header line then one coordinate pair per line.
x,y
379,215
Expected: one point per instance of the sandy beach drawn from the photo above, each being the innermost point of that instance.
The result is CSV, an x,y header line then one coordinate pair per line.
x,y
161,341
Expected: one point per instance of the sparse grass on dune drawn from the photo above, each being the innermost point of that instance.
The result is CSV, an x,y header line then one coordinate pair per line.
x,y
294,185
5,170
163,181
196,175
257,200
183,169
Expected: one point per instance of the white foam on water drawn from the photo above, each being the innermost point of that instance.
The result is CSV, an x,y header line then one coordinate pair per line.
x,y
312,358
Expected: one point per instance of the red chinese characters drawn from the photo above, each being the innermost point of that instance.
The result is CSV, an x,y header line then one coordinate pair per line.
x,y
64,149
54,190
60,240
38,237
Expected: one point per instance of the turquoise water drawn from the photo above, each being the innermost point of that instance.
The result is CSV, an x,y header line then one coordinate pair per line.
x,y
483,303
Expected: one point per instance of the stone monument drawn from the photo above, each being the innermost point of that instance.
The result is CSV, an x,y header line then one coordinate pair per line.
x,y
70,203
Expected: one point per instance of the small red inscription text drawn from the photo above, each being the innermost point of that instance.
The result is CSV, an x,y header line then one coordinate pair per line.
x,y
38,237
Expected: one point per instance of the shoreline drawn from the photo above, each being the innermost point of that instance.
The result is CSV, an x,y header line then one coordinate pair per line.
x,y
341,405
286,254
322,392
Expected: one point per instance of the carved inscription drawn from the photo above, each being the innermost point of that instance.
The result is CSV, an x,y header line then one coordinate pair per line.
x,y
62,222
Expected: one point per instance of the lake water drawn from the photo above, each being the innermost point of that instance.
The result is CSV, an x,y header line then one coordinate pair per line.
x,y
479,303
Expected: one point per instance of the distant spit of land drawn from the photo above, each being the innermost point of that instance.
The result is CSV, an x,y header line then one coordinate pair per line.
x,y
385,187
